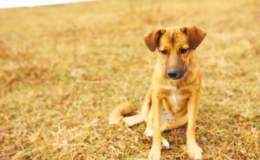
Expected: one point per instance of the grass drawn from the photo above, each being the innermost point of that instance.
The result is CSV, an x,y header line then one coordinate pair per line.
x,y
65,67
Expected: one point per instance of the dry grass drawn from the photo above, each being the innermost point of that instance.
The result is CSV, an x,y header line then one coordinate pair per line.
x,y
65,67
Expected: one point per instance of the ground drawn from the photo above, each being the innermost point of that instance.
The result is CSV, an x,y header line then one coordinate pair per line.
x,y
65,67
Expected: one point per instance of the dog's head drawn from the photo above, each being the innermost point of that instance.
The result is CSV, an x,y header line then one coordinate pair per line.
x,y
175,47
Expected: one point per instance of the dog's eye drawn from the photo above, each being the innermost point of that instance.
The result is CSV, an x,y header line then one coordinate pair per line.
x,y
164,52
184,50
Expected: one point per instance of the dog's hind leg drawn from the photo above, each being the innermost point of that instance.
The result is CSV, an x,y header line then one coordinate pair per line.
x,y
173,122
142,116
168,122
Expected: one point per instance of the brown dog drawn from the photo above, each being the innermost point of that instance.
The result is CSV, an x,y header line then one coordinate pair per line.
x,y
173,97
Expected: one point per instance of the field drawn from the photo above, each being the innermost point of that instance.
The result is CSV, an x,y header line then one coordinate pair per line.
x,y
65,67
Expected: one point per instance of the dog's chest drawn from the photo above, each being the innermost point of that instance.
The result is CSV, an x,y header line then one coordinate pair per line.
x,y
174,98
176,102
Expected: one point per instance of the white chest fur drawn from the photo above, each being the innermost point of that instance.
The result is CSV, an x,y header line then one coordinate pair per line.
x,y
173,98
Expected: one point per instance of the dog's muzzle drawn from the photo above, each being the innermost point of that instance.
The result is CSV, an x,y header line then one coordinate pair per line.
x,y
174,74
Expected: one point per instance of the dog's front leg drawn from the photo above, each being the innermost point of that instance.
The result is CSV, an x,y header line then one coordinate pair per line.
x,y
155,152
193,149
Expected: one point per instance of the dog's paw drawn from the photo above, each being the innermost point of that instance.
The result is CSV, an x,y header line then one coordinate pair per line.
x,y
148,133
155,153
194,151
165,144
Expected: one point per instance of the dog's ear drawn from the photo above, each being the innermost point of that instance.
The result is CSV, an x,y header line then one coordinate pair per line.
x,y
195,35
151,38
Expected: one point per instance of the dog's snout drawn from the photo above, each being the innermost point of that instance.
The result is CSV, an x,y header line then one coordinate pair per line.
x,y
172,73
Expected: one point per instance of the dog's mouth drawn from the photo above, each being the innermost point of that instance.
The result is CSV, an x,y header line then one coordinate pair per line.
x,y
175,74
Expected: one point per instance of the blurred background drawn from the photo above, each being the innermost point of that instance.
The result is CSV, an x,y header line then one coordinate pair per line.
x,y
31,3
65,67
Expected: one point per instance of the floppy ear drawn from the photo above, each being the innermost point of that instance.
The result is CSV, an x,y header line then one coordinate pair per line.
x,y
195,35
151,38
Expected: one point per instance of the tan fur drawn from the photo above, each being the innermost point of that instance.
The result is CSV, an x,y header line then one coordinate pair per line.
x,y
170,103
117,114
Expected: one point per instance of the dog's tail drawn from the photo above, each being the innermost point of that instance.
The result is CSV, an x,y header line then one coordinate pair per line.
x,y
118,113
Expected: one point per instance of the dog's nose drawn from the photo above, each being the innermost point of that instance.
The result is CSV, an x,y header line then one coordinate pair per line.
x,y
172,73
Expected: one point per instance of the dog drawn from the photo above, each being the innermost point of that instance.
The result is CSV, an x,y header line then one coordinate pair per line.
x,y
172,99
